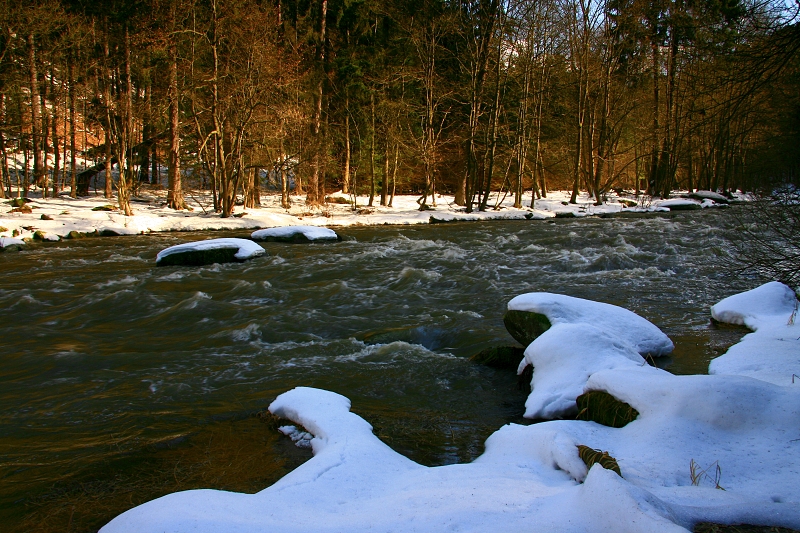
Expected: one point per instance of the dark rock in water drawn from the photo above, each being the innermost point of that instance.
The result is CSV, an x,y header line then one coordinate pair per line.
x,y
38,235
525,378
75,235
505,357
525,326
684,205
209,252
297,238
200,257
566,214
108,233
601,407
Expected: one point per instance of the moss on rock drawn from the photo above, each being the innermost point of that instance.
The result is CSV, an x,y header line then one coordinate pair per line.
x,y
599,406
506,357
590,457
525,326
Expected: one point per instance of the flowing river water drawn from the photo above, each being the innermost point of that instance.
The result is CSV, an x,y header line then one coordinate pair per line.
x,y
120,381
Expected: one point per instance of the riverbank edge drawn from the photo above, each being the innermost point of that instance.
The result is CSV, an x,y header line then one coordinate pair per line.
x,y
63,218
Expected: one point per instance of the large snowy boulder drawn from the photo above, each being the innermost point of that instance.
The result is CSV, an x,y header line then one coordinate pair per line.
x,y
680,204
209,252
618,322
295,234
585,337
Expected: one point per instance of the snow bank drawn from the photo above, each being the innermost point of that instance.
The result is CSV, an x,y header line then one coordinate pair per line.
x,y
694,436
150,214
311,233
772,352
245,249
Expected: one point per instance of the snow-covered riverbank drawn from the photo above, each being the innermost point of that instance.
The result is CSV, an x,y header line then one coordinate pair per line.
x,y
707,448
54,219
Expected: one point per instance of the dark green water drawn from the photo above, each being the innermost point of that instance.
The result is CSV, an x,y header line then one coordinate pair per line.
x,y
120,381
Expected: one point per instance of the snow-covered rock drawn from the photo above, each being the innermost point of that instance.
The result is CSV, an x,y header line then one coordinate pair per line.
x,y
11,243
618,322
586,337
295,234
680,204
708,195
209,252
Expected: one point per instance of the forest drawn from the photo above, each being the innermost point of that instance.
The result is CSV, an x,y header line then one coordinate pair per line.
x,y
410,97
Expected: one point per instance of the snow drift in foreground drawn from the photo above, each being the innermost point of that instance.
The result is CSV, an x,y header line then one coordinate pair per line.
x,y
531,478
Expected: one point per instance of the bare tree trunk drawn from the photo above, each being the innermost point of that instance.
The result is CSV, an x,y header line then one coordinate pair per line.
x,y
394,172
72,147
109,192
56,152
5,180
45,115
314,197
385,183
372,150
126,139
175,199
38,165
346,173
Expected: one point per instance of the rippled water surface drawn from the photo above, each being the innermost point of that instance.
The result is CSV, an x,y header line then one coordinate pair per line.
x,y
121,381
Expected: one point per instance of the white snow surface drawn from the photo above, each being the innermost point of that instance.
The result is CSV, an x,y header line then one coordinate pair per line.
x,y
10,241
710,195
621,323
312,233
246,249
772,351
151,215
680,202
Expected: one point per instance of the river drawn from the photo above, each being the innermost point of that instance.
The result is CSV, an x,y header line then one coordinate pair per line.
x,y
122,381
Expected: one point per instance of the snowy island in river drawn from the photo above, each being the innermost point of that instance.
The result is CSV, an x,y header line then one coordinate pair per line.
x,y
720,448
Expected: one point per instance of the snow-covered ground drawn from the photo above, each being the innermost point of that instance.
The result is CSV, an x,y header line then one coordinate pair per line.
x,y
54,219
718,448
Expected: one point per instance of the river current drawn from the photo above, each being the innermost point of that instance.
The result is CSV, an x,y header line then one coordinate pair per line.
x,y
120,381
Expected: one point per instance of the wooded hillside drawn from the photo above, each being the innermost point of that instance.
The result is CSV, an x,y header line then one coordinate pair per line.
x,y
419,96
